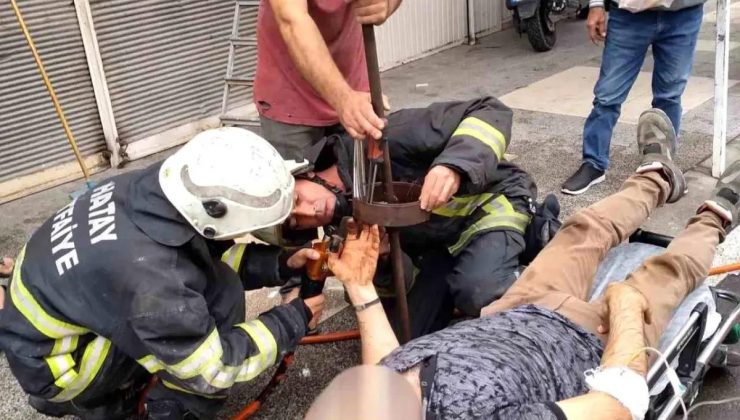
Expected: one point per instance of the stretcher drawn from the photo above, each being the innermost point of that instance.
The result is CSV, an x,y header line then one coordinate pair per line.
x,y
695,339
698,338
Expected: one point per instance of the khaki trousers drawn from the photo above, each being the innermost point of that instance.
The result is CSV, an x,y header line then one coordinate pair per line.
x,y
561,276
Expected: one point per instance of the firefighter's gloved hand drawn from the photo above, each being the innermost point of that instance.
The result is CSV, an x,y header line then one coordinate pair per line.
x,y
440,184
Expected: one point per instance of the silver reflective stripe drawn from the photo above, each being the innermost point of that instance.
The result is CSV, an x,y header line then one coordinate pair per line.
x,y
267,347
483,132
92,360
462,206
206,364
233,256
208,354
500,214
193,365
151,364
64,345
32,310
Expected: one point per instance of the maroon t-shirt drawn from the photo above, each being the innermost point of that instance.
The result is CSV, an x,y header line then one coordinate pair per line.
x,y
280,92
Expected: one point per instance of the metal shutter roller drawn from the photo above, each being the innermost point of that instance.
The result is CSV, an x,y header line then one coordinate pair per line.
x,y
165,61
31,136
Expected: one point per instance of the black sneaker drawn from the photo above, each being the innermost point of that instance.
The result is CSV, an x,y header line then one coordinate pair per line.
x,y
656,143
583,179
725,199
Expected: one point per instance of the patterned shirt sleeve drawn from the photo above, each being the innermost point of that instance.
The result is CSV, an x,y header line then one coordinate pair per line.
x,y
533,411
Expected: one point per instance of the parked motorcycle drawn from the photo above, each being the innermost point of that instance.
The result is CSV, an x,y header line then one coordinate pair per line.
x,y
535,17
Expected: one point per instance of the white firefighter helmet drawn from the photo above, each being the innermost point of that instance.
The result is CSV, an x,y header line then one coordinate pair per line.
x,y
227,182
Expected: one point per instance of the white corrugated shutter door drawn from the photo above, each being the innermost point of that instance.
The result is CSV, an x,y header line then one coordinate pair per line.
x,y
31,136
420,27
488,16
165,61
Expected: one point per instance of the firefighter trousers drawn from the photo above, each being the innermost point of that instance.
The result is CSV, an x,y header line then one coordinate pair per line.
x,y
479,274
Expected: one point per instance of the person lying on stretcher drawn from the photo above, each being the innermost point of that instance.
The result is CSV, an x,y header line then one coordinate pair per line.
x,y
542,351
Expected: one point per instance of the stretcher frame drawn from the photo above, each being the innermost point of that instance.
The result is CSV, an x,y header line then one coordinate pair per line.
x,y
692,356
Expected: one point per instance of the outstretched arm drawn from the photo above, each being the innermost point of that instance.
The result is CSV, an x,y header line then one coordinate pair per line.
x,y
356,269
628,314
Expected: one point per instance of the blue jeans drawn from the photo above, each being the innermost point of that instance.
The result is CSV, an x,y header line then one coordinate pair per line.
x,y
673,38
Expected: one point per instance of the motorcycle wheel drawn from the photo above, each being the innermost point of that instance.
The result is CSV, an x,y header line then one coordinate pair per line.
x,y
541,30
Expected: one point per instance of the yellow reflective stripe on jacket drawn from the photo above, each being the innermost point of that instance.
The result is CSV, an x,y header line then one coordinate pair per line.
x,y
33,312
206,362
62,368
501,214
92,360
484,132
60,361
267,346
174,387
233,256
462,206
208,351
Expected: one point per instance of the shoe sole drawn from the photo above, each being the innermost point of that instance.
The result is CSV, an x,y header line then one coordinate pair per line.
x,y
598,180
660,119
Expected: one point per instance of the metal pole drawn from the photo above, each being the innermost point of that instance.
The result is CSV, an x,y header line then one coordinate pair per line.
x,y
371,56
721,69
50,88
471,22
99,82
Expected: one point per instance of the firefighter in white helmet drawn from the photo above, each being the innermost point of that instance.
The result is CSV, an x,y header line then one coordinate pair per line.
x,y
141,277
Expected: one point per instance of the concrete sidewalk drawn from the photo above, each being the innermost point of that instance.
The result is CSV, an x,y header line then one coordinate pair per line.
x,y
546,142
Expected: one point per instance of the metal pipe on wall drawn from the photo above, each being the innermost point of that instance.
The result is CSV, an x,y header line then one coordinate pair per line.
x,y
471,22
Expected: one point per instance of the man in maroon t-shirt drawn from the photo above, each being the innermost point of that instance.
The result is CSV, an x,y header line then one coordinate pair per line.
x,y
311,71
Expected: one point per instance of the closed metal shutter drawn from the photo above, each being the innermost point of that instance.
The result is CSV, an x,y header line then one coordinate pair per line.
x,y
31,137
420,27
165,61
488,16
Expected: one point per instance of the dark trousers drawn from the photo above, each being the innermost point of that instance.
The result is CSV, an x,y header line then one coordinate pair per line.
x,y
469,281
429,299
290,140
485,269
115,395
672,36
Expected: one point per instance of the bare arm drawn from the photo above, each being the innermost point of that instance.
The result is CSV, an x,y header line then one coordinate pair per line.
x,y
628,313
377,335
594,406
311,56
356,270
